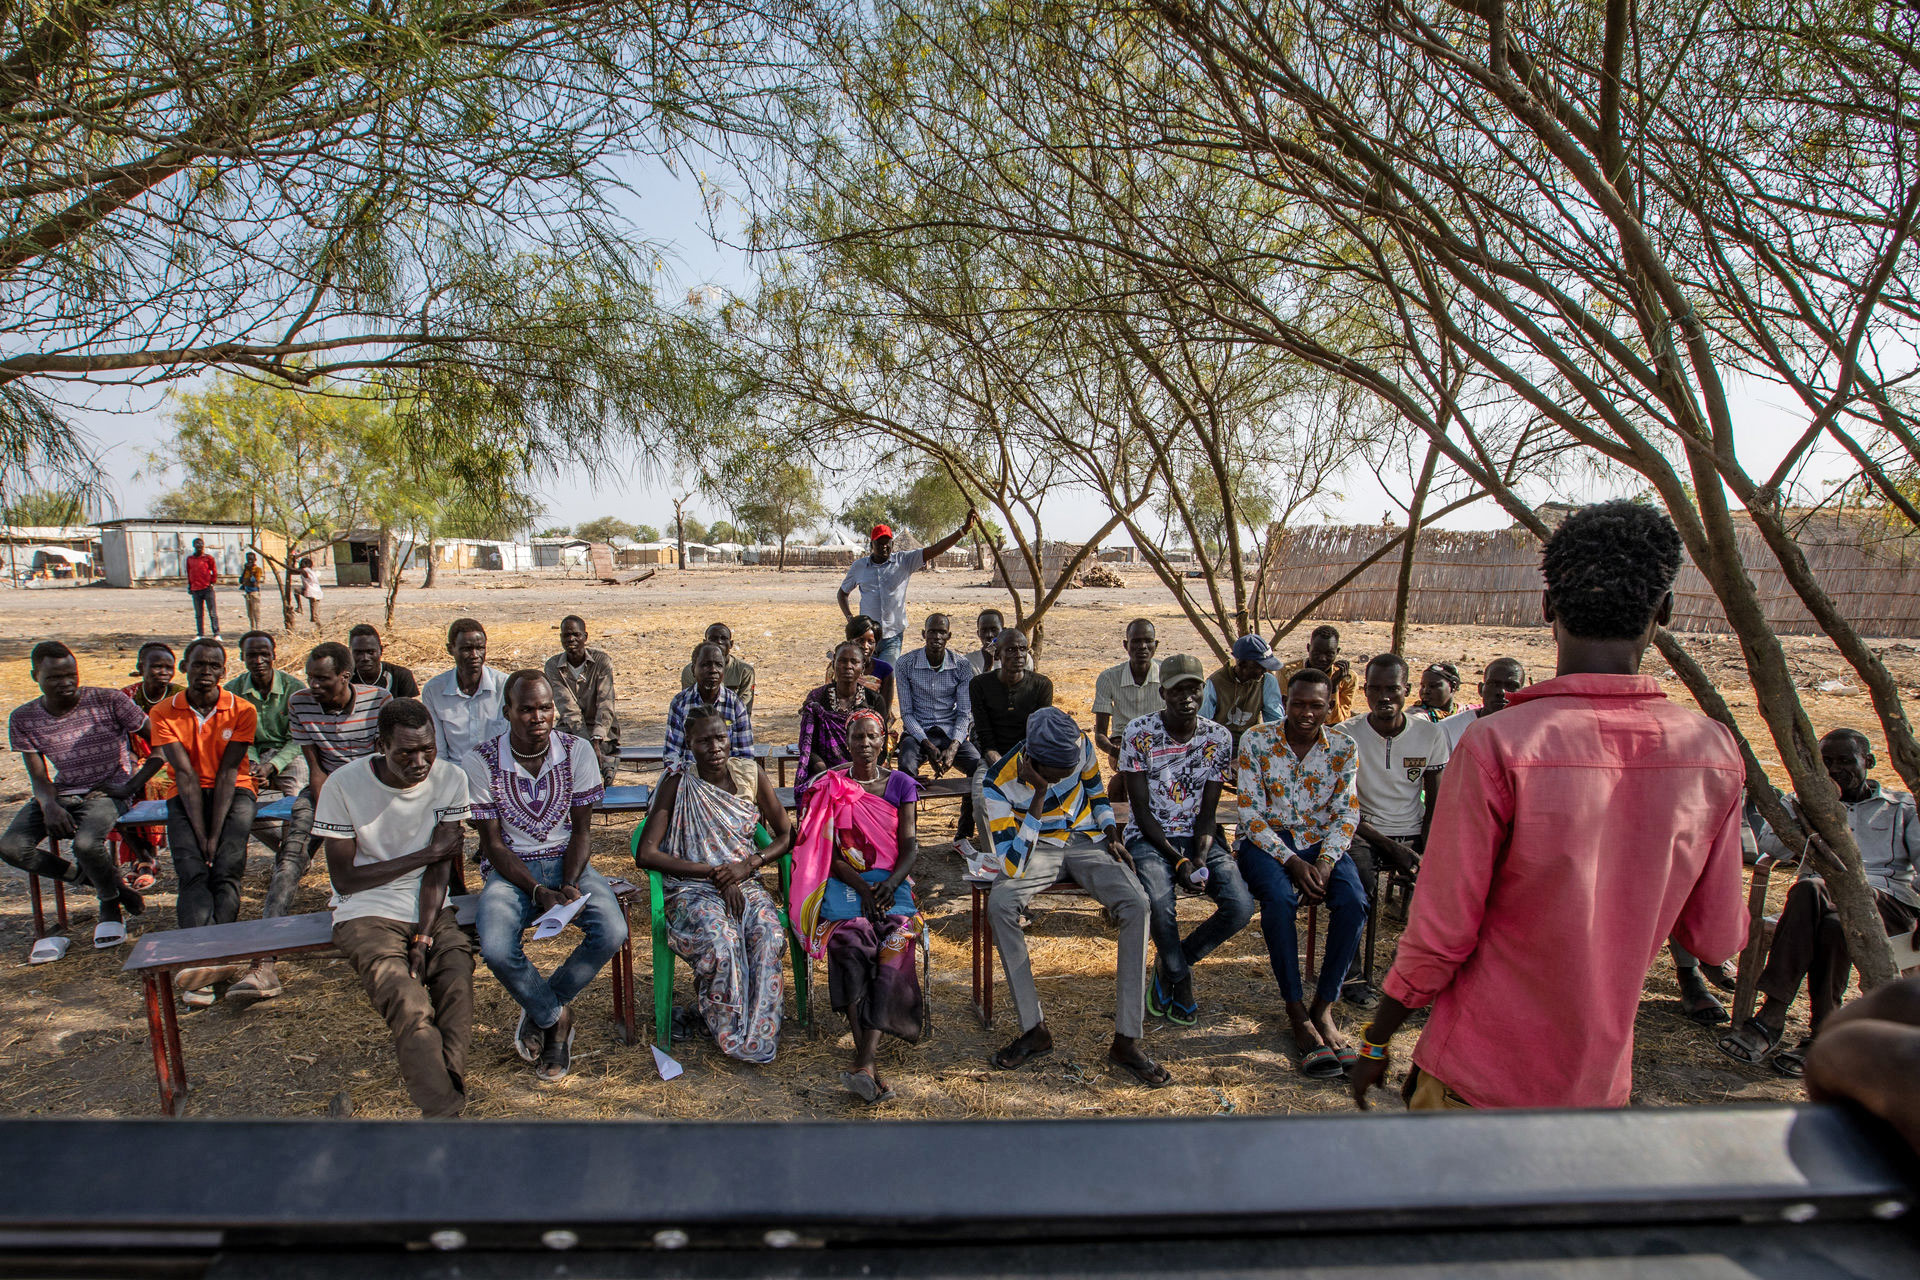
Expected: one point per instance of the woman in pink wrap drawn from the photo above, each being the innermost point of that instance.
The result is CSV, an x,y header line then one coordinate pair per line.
x,y
852,900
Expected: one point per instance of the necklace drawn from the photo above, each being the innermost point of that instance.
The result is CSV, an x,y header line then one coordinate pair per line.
x,y
839,705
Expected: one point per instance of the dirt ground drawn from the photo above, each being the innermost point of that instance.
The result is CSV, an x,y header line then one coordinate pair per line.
x,y
73,1036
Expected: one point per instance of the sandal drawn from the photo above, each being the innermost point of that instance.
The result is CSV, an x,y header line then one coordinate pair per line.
x,y
1738,1045
556,1059
1321,1063
1144,1069
527,1040
1348,1055
1018,1054
1157,1002
143,875
1793,1063
862,1085
108,933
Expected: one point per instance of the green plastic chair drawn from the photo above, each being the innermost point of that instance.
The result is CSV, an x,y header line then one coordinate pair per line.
x,y
663,957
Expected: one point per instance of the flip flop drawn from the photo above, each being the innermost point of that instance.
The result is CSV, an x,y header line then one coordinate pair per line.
x,y
861,1085
1147,1071
1321,1063
1157,1002
144,877
1012,1057
108,933
47,950
529,1053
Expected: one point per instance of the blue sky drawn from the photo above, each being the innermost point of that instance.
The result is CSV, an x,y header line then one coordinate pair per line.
x,y
667,209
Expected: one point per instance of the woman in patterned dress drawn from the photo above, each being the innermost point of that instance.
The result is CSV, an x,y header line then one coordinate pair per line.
x,y
720,918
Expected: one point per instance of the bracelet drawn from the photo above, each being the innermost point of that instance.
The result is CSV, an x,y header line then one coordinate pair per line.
x,y
1366,1038
422,937
1184,862
1372,1052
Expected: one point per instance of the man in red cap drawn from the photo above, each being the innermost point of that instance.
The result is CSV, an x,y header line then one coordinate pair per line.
x,y
882,579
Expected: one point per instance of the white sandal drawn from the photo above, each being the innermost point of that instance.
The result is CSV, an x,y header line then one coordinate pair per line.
x,y
108,934
46,950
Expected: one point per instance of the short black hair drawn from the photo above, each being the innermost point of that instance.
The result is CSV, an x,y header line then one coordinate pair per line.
x,y
459,627
140,655
46,650
186,654
259,635
1854,736
1608,568
1325,631
708,644
1312,675
573,617
990,613
403,713
359,629
1389,660
518,678
699,714
1143,622
336,653
859,624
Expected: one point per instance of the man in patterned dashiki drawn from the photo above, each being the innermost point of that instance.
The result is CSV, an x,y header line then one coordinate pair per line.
x,y
1298,813
1048,814
1173,764
533,791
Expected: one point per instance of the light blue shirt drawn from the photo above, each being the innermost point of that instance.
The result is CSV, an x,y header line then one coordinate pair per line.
x,y
933,697
883,588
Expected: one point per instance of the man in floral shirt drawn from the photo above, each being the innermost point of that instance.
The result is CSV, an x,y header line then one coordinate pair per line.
x,y
1298,813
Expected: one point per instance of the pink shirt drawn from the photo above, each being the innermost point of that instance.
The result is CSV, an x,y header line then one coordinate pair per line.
x,y
1576,829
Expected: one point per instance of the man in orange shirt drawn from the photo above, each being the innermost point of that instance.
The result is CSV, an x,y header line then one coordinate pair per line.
x,y
204,734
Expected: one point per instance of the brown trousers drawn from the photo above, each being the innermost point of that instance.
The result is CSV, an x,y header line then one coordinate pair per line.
x,y
1430,1093
431,1016
1808,943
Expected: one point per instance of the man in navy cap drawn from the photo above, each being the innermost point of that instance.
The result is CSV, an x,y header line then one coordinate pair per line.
x,y
1048,814
1244,692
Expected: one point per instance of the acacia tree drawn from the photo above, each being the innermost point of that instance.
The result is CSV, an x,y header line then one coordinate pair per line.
x,y
774,494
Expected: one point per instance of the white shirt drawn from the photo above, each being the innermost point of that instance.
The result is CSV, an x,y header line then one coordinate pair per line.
x,y
388,823
883,588
1390,771
1456,724
461,721
1116,694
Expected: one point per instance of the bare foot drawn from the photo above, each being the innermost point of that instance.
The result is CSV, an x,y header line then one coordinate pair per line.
x,y
1330,1034
1306,1035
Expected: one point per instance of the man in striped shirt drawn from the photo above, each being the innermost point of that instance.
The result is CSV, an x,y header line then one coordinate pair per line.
x,y
1049,818
334,721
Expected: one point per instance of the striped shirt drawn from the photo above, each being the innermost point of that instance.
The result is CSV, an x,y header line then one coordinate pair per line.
x,y
739,722
338,737
1075,806
934,697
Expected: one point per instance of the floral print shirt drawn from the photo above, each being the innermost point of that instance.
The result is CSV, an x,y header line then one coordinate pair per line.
x,y
1288,803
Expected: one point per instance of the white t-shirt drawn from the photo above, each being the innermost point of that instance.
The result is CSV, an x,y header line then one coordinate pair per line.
x,y
388,823
1390,772
883,588
1456,724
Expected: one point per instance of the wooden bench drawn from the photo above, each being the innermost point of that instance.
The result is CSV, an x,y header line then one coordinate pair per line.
x,y
1760,927
157,955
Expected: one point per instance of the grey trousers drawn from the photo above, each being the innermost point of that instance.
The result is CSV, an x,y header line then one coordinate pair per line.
x,y
1086,863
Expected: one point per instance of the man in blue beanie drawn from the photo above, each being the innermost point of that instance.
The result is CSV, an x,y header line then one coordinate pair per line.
x,y
1049,818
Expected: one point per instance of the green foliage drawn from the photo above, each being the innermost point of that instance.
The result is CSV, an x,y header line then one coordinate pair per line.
x,y
724,531
693,529
199,498
606,529
929,507
774,494
556,531
645,533
44,507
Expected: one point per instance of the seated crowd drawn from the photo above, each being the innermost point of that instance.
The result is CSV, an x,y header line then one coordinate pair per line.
x,y
1331,776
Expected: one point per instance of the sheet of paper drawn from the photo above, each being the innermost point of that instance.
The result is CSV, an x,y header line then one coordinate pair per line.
x,y
666,1066
557,919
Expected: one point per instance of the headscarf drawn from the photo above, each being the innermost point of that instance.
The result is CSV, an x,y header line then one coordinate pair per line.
x,y
867,713
1448,672
1053,739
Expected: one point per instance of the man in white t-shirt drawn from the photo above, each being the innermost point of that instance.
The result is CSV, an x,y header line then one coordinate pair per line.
x,y
1503,678
391,822
534,790
1397,780
882,578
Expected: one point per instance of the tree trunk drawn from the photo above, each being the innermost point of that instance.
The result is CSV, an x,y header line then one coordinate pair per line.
x,y
780,564
1405,584
680,531
396,569
433,565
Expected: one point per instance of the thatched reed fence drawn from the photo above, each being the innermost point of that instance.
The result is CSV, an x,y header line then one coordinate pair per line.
x,y
1493,578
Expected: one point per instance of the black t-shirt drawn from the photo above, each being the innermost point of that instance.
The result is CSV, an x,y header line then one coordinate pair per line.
x,y
396,680
1000,713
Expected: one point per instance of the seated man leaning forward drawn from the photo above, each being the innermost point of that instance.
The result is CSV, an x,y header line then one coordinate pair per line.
x,y
1298,813
1173,764
720,919
391,822
1808,943
739,677
534,790
1050,820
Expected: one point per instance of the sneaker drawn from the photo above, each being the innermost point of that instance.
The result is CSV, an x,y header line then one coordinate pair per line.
x,y
198,998
262,982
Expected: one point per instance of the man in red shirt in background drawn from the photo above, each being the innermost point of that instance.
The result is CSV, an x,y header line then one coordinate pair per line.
x,y
1575,831
202,572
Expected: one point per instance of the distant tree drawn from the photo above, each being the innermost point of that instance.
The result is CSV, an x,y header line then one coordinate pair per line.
x,y
555,531
606,529
645,533
868,510
777,495
723,531
44,507
692,529
200,498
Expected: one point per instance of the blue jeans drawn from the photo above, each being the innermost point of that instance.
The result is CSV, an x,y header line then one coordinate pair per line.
x,y
889,650
1346,906
1233,905
505,913
205,608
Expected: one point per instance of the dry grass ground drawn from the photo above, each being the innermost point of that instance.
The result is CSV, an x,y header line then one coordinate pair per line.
x,y
73,1038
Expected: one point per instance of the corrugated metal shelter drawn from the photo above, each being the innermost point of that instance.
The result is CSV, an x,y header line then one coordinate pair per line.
x,y
482,553
140,552
1867,566
552,553
644,553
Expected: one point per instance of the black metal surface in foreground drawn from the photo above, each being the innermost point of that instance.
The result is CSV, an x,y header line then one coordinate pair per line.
x,y
1395,1194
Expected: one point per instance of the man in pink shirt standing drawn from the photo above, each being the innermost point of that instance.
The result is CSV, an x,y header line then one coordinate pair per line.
x,y
1575,831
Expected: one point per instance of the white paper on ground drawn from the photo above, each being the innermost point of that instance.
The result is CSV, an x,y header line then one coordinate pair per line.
x,y
666,1066
557,919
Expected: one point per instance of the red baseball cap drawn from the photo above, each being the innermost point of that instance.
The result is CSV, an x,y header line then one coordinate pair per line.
x,y
881,531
